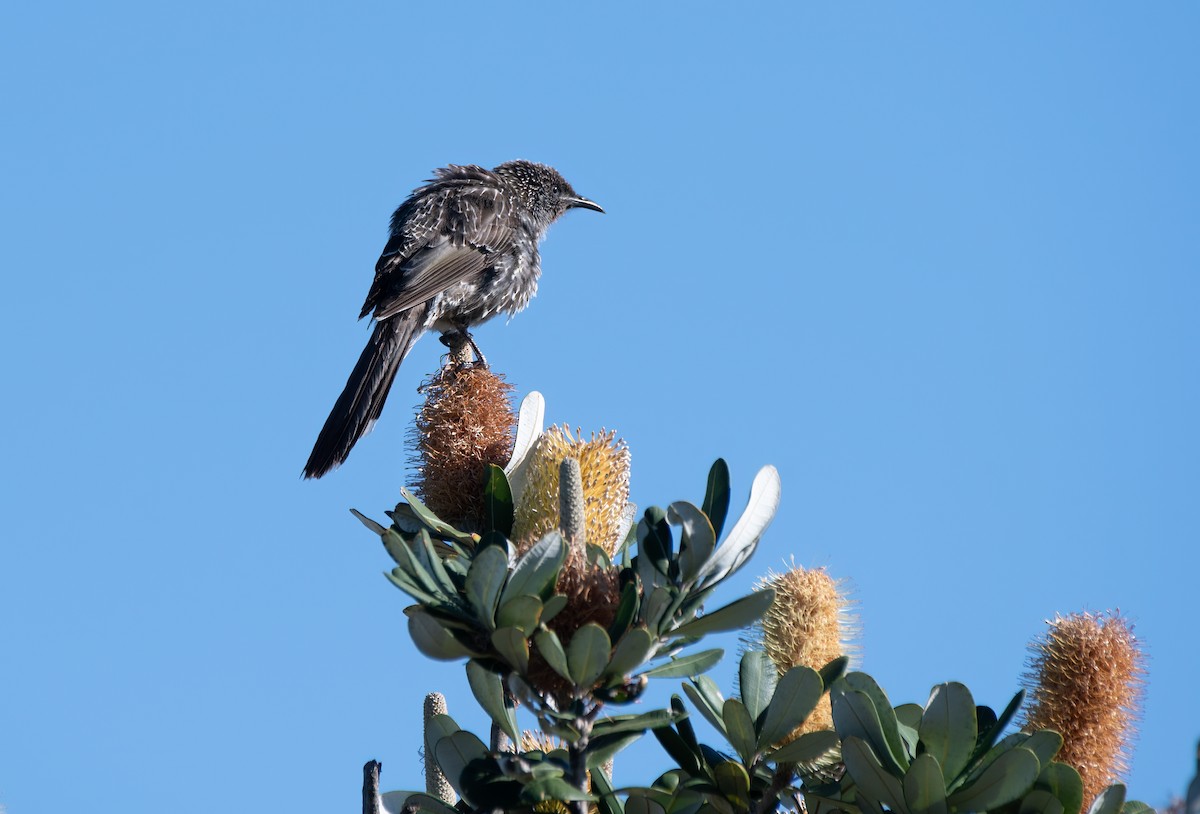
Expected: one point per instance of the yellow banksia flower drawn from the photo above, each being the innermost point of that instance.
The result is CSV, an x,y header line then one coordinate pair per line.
x,y
604,466
1085,681
466,423
809,623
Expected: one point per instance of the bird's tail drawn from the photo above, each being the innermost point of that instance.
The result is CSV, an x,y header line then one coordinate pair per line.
x,y
366,390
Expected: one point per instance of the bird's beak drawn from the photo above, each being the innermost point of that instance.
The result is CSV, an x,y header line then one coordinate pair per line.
x,y
584,203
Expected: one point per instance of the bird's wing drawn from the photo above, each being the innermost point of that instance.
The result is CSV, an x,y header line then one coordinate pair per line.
x,y
445,236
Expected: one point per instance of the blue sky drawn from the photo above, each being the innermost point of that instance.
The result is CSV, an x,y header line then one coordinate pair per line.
x,y
937,263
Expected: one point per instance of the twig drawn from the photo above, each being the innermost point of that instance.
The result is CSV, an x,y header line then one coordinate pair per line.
x,y
371,787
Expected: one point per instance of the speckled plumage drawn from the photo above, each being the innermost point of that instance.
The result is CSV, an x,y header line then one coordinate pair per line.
x,y
463,248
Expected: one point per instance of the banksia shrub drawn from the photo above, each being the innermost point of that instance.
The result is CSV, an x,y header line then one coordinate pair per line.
x,y
808,623
604,467
1085,681
465,424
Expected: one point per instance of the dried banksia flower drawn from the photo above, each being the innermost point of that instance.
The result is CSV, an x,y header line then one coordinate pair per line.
x,y
535,740
809,623
436,784
465,423
604,471
1085,682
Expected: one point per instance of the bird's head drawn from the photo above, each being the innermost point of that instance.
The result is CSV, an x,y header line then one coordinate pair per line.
x,y
546,193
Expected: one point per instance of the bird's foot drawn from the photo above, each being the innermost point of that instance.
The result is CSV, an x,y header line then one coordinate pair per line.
x,y
458,341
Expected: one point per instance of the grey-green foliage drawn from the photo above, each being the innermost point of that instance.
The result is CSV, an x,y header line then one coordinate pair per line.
x,y
478,601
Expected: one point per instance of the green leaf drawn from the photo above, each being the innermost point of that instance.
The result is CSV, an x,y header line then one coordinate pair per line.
x,y
704,693
687,666
716,495
553,606
368,522
521,612
679,751
1109,801
436,728
1045,744
796,695
587,654
756,682
1040,801
631,652
489,692
809,747
888,725
627,610
991,733
655,607
744,536
1136,807
603,748
431,638
552,788
739,729
924,787
608,802
498,501
834,670
875,782
734,616
733,782
622,724
854,714
454,752
511,644
552,651
1064,783
536,570
948,727
485,580
655,544
1008,778
697,540
641,804
434,523
417,802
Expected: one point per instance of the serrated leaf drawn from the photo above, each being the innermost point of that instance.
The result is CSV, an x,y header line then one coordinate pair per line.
x,y
1008,778
697,539
521,612
736,615
923,786
947,727
485,580
551,648
874,781
631,651
587,654
796,695
536,570
431,638
739,729
498,501
687,666
488,689
756,682
807,748
744,536
716,495
511,644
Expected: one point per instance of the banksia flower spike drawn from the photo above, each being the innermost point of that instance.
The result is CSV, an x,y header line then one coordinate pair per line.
x,y
1085,681
808,623
465,424
436,784
604,472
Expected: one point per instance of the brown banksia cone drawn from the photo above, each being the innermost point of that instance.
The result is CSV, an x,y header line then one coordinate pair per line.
x,y
604,470
1085,680
809,623
466,423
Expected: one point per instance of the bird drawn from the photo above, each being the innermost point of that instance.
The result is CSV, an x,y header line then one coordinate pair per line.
x,y
461,249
